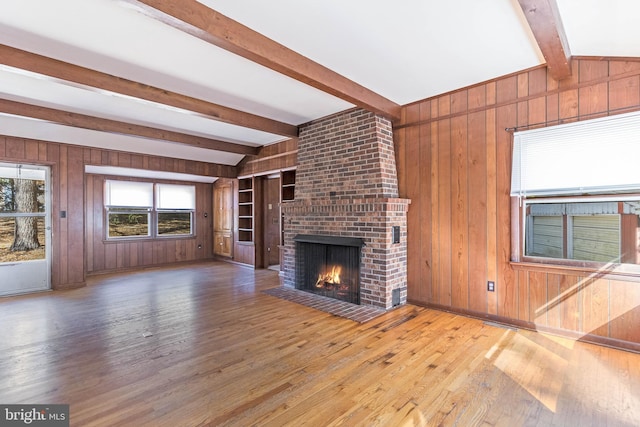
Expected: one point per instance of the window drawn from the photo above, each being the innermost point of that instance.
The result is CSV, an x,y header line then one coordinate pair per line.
x,y
175,207
135,210
600,230
577,187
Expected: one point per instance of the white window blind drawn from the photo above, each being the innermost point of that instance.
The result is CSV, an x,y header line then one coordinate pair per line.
x,y
589,157
129,194
171,196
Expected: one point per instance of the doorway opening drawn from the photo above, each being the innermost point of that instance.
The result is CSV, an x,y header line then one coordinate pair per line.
x,y
25,228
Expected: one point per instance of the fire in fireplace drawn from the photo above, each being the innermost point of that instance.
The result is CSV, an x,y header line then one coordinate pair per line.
x,y
329,266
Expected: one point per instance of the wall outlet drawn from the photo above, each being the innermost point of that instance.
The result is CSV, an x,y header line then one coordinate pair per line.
x,y
491,286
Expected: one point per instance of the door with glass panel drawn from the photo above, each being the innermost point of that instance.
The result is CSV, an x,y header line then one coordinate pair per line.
x,y
25,229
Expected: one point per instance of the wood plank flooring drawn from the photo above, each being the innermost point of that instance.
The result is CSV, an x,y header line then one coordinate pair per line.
x,y
223,353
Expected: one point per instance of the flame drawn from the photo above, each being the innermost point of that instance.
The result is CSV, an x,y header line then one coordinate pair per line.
x,y
332,277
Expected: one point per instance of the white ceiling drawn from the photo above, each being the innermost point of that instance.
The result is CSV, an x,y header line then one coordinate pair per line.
x,y
405,51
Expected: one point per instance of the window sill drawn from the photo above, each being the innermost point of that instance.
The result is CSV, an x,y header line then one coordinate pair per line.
x,y
627,272
147,239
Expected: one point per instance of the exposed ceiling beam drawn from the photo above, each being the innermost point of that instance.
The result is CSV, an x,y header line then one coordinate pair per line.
x,y
94,79
207,24
113,126
544,19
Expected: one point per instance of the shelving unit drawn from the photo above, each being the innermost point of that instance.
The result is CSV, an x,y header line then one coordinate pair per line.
x,y
245,210
288,180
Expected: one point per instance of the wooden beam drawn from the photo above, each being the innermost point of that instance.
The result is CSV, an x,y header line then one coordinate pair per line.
x,y
94,79
544,19
113,126
200,21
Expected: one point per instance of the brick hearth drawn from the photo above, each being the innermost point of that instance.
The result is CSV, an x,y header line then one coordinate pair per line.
x,y
346,185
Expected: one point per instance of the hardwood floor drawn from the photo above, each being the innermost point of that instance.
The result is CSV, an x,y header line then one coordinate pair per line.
x,y
221,352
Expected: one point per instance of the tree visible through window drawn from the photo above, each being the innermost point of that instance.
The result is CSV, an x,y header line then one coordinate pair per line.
x,y
22,210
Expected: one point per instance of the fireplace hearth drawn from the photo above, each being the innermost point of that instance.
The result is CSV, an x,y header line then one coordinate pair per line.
x,y
329,266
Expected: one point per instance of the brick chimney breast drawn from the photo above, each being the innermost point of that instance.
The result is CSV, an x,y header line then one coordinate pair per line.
x,y
346,185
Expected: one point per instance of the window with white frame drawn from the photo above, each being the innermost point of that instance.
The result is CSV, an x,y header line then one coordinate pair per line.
x,y
148,210
578,190
175,205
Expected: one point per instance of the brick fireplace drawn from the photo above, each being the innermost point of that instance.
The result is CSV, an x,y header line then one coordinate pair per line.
x,y
346,187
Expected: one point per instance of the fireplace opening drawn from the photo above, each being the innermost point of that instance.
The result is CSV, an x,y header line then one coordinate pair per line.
x,y
329,266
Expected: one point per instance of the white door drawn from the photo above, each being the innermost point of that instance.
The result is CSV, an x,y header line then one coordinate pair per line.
x,y
25,229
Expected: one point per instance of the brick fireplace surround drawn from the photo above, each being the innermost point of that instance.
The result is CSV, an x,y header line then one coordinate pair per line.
x,y
346,185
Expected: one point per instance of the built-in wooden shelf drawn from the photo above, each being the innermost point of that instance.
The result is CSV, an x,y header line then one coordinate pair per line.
x,y
245,209
288,180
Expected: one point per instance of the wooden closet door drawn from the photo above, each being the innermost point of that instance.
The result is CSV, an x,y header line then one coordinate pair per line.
x,y
223,218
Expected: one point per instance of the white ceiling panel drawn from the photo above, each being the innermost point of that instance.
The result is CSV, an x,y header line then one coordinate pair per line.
x,y
37,90
391,47
602,27
47,131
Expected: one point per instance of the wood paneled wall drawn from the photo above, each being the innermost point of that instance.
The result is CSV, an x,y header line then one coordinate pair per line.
x,y
104,255
454,163
75,250
272,157
67,171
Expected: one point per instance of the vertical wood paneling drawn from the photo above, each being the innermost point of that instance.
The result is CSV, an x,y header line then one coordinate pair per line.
x,y
492,209
537,81
57,264
463,140
401,157
412,168
89,219
271,158
75,215
15,148
107,256
63,233
554,314
134,249
569,302
520,305
444,211
552,110
110,256
537,110
31,150
459,102
506,287
593,100
625,311
624,93
538,298
506,89
98,224
435,212
121,254
425,271
147,253
568,105
590,70
477,217
595,306
459,214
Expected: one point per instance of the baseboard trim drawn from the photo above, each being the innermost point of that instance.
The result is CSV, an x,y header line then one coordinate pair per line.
x,y
577,336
